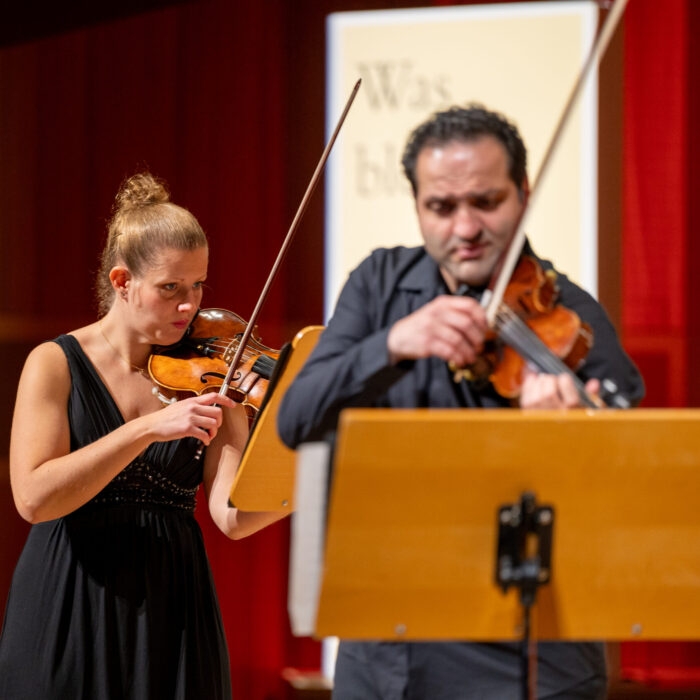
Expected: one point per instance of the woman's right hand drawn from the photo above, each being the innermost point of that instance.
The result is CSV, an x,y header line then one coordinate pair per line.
x,y
198,417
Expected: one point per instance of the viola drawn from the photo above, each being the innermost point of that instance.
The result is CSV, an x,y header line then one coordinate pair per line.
x,y
201,360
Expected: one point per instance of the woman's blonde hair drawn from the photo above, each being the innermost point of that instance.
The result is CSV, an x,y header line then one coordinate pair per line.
x,y
144,222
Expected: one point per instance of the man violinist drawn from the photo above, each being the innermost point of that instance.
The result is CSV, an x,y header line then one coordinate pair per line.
x,y
397,325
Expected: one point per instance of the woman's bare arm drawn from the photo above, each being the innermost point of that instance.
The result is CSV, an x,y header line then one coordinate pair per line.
x,y
220,468
48,481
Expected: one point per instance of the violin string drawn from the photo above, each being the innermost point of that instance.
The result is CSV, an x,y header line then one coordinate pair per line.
x,y
221,345
247,354
517,333
532,347
545,362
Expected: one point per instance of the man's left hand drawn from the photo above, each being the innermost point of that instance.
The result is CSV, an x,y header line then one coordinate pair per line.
x,y
553,391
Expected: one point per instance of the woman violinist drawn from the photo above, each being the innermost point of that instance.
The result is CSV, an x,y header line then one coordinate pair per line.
x,y
113,596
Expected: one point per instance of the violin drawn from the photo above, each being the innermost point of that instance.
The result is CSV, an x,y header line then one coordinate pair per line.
x,y
201,360
531,328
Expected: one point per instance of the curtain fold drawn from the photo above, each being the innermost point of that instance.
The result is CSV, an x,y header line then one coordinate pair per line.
x,y
657,313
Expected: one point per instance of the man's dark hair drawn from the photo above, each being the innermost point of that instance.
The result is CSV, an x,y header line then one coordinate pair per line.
x,y
466,124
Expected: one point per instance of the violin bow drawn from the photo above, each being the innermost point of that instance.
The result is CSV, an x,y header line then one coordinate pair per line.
x,y
493,296
287,241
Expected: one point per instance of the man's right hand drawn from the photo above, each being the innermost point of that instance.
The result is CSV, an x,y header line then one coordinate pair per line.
x,y
449,327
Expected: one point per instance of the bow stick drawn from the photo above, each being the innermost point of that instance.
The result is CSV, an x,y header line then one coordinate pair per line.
x,y
285,246
493,297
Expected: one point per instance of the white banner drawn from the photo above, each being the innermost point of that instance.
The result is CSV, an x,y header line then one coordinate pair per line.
x,y
521,59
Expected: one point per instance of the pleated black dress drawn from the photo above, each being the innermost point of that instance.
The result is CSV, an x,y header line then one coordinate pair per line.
x,y
116,600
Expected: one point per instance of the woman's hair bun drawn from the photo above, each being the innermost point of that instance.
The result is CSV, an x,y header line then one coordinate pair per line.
x,y
140,190
144,222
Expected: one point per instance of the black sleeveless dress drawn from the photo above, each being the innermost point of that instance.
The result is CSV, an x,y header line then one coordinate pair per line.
x,y
116,600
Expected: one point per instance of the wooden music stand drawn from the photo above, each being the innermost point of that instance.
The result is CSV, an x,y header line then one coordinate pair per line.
x,y
412,526
265,477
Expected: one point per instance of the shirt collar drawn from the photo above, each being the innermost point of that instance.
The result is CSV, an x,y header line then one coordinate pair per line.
x,y
423,276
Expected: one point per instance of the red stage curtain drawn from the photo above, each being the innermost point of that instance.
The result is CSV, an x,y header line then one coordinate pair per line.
x,y
659,316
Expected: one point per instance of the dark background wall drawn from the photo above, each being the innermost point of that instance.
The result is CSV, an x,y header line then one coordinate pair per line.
x,y
225,101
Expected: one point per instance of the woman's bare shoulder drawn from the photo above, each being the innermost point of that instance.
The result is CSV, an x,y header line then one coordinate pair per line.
x,y
46,362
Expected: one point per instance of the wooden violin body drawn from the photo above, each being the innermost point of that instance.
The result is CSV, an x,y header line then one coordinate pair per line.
x,y
200,361
531,299
531,328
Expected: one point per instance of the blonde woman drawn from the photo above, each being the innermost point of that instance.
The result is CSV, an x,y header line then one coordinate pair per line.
x,y
113,596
